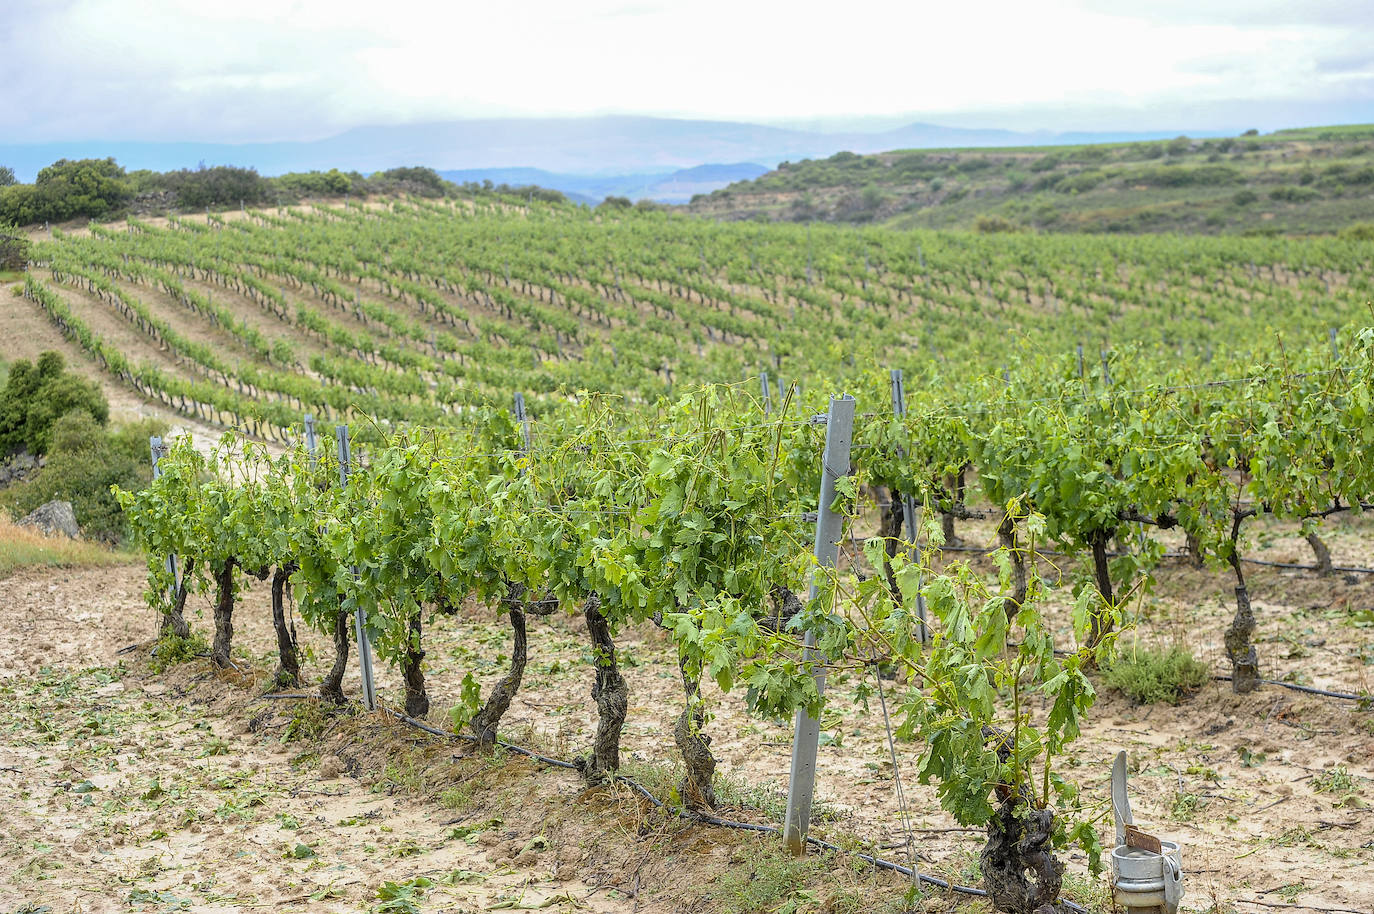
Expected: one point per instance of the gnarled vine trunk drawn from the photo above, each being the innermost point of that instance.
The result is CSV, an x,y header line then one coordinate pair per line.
x,y
1320,552
1100,625
786,604
695,746
417,699
610,692
890,529
1006,538
485,721
1020,872
224,614
331,689
1239,649
1193,546
288,674
173,622
954,484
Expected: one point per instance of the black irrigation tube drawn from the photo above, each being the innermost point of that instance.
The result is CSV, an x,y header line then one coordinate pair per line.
x,y
689,815
1348,696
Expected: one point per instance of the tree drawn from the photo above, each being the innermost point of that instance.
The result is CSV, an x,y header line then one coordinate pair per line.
x,y
70,189
7,177
14,248
223,185
36,396
65,190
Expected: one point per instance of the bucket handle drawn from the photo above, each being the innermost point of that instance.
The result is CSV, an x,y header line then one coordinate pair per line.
x,y
1173,885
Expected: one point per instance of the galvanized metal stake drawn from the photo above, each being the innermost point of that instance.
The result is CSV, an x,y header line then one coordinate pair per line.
x,y
523,418
155,446
767,396
359,617
312,443
909,505
839,431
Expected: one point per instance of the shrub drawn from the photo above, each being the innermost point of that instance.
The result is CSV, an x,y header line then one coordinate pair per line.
x,y
330,183
85,460
425,182
67,189
1291,194
1359,231
1245,197
993,224
14,248
223,185
1147,675
36,396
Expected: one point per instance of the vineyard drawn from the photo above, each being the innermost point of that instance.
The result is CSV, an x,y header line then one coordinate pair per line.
x,y
538,414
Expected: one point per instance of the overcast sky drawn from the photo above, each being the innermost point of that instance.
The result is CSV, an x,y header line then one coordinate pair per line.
x,y
257,70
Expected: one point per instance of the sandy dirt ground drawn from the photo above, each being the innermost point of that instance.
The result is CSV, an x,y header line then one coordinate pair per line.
x,y
130,790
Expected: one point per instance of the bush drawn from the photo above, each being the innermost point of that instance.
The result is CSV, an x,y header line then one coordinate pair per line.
x,y
332,183
1291,194
14,249
1178,176
989,225
424,182
1245,197
36,396
223,185
1359,231
68,189
1147,675
614,202
84,461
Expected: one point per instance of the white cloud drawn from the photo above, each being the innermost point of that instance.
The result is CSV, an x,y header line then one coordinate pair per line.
x,y
268,69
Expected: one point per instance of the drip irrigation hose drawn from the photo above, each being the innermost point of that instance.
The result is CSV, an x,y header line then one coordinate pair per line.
x,y
1347,696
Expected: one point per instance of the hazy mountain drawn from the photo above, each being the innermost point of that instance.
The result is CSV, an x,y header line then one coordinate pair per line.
x,y
601,146
662,186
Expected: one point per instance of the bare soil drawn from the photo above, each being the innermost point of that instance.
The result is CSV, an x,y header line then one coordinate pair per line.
x,y
1268,793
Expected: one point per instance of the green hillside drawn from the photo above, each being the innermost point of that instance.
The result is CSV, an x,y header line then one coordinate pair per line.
x,y
1313,180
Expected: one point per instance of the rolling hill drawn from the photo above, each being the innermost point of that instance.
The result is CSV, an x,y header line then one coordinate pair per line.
x,y
1303,181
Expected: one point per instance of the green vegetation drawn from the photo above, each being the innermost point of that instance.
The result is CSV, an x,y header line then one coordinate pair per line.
x,y
1148,674
101,189
36,396
46,410
1316,180
84,461
22,547
14,250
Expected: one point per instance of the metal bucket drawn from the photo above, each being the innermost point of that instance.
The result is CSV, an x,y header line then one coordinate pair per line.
x,y
1146,882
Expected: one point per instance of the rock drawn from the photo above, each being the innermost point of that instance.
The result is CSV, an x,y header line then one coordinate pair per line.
x,y
330,768
53,518
18,468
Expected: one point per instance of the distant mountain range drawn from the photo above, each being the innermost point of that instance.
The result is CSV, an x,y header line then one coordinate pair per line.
x,y
662,186
639,156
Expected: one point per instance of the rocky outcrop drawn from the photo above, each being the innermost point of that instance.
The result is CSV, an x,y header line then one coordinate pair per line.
x,y
53,518
19,467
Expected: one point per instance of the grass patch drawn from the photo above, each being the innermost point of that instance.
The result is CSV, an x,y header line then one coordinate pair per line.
x,y
170,650
663,780
22,547
1147,675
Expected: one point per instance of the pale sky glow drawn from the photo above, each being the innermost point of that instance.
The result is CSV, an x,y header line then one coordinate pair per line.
x,y
276,69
